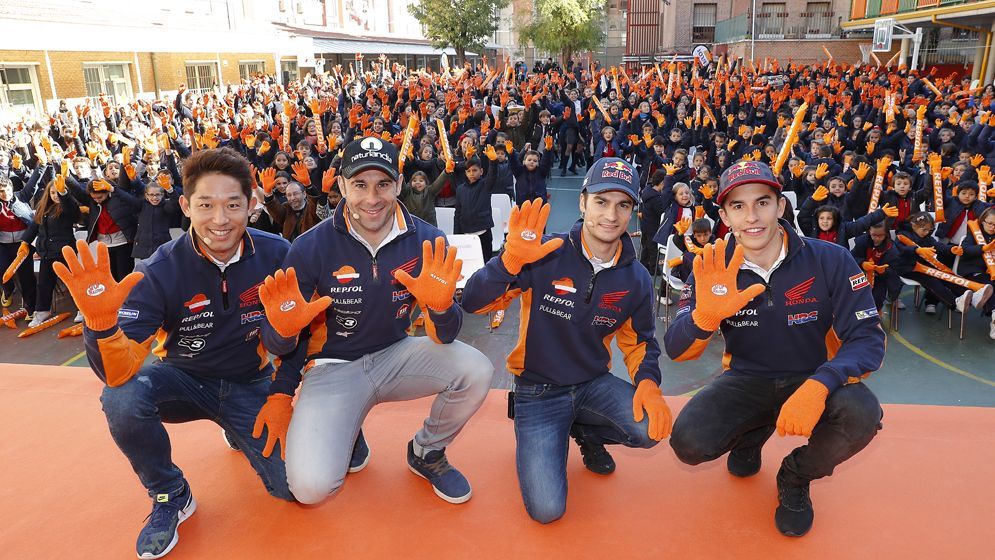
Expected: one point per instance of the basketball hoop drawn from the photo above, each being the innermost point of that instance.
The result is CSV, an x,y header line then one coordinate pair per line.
x,y
883,29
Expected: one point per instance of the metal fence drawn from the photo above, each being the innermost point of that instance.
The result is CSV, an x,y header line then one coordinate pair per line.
x,y
780,26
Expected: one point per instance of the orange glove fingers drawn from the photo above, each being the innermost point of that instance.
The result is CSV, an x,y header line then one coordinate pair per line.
x,y
649,397
92,286
275,416
803,409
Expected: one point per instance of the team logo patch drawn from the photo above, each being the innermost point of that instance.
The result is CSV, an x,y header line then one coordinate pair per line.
x,y
371,144
603,321
617,170
194,344
400,295
402,311
126,313
564,286
408,267
197,303
288,305
720,290
347,322
866,313
529,235
252,317
796,295
802,318
249,297
858,281
95,290
609,300
345,274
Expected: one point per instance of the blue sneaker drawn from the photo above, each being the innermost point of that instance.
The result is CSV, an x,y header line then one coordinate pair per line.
x,y
360,454
159,535
448,483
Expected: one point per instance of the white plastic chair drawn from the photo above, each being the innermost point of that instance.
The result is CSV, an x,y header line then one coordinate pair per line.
x,y
446,218
503,203
670,251
497,231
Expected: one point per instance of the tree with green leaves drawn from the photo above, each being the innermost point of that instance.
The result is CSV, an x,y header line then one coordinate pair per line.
x,y
565,26
461,24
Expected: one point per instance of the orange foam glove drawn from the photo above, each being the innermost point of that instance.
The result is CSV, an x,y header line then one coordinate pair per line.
x,y
801,412
490,152
97,295
822,170
890,211
820,194
862,170
100,185
267,178
22,253
956,249
301,174
707,192
716,295
275,417
436,284
328,180
649,398
682,225
548,141
524,242
286,309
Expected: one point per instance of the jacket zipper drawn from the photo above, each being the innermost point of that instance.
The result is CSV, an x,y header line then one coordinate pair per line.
x,y
224,289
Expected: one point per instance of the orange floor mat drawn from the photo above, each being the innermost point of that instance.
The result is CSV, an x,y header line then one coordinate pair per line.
x,y
922,489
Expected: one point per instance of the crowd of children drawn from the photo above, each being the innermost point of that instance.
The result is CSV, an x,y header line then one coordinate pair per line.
x,y
894,164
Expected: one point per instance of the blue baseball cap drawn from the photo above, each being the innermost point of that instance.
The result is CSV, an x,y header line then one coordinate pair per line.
x,y
612,174
746,172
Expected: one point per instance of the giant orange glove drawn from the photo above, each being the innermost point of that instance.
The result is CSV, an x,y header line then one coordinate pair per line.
x,y
275,417
822,170
890,211
649,397
440,270
682,225
716,295
524,242
267,178
707,192
801,412
286,309
22,253
301,174
862,170
328,180
97,295
820,194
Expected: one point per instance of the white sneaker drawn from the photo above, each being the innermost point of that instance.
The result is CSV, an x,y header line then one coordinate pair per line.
x,y
961,301
79,317
980,297
39,318
930,309
991,331
665,301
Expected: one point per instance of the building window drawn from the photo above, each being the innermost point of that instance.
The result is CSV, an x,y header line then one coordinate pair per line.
x,y
201,76
18,88
771,20
818,20
288,69
249,70
113,80
703,23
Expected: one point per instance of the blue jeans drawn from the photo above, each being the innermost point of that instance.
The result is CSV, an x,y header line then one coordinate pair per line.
x,y
160,393
740,412
600,411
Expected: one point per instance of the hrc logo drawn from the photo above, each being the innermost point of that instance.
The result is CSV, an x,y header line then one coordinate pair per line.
x,y
801,318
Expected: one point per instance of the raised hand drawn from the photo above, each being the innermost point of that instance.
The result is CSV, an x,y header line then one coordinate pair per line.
x,y
717,297
328,180
97,295
820,194
436,284
267,178
286,309
301,174
524,243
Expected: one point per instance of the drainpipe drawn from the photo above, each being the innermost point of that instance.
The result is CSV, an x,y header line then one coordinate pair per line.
x,y
988,41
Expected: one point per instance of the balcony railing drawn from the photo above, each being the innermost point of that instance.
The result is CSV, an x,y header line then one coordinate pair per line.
x,y
780,26
860,9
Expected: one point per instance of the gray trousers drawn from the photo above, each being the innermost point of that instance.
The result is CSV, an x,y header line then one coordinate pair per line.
x,y
335,399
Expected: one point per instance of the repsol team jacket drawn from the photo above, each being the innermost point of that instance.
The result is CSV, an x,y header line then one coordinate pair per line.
x,y
570,314
370,309
816,317
205,321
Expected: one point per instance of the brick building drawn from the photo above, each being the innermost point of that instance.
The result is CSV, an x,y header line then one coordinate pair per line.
x,y
782,29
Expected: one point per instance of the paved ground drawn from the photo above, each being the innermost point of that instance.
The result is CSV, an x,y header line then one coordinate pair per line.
x,y
925,364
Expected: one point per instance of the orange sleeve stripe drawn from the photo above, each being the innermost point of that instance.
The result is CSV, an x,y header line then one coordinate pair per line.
x,y
430,325
319,334
502,302
694,351
122,357
635,352
516,359
160,345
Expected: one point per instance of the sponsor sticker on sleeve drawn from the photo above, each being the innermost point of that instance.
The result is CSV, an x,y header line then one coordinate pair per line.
x,y
866,313
858,281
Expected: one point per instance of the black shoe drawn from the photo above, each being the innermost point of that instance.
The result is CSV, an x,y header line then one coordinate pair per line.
x,y
360,454
573,171
563,173
229,441
794,513
744,462
596,457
